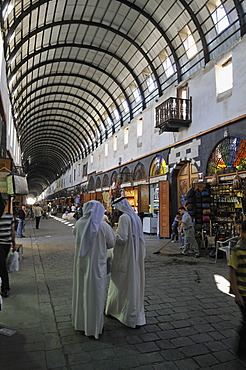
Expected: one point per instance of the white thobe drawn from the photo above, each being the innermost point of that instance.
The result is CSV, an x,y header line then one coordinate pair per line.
x,y
89,283
126,288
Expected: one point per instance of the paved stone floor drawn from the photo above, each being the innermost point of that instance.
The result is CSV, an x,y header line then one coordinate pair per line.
x,y
191,322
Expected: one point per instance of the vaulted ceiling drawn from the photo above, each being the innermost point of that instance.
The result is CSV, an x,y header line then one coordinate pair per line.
x,y
72,63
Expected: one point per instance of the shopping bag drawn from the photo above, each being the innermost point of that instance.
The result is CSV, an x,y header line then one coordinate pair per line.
x,y
13,261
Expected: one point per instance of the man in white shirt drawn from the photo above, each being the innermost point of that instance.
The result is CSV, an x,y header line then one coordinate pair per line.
x,y
189,233
37,211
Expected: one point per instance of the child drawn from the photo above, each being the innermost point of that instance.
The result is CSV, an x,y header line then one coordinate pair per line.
x,y
237,266
175,224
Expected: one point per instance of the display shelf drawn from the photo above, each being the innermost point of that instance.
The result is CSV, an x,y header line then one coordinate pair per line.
x,y
226,208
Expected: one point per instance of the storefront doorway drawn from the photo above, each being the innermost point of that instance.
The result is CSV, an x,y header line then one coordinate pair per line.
x,y
187,175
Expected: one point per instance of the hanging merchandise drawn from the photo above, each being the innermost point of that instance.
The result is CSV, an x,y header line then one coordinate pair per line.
x,y
17,185
206,208
190,202
199,210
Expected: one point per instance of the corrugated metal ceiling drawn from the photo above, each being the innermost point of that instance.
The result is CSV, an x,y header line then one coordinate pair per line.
x,y
71,63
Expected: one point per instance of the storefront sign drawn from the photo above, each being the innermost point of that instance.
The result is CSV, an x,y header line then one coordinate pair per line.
x,y
140,182
126,185
153,180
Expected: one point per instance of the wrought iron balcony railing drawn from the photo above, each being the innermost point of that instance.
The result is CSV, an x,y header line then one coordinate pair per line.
x,y
173,114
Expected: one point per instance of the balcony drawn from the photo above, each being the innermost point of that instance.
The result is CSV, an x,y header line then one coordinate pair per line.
x,y
173,114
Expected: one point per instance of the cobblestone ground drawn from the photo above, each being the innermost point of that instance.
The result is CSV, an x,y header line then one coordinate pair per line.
x,y
191,322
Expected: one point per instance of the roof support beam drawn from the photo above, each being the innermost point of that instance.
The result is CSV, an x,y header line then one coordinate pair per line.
x,y
241,16
29,117
160,29
42,143
90,47
93,24
55,128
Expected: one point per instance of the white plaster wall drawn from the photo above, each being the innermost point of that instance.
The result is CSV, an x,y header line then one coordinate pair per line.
x,y
12,145
207,113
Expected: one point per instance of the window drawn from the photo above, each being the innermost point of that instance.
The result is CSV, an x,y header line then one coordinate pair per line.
x,y
166,63
158,166
12,135
110,122
139,127
218,15
70,179
135,92
136,95
74,174
92,158
106,149
182,92
8,9
115,143
116,114
85,167
224,77
168,67
228,156
188,42
126,134
125,106
150,83
79,169
149,79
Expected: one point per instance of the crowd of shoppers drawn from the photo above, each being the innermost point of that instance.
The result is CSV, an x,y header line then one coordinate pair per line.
x,y
94,237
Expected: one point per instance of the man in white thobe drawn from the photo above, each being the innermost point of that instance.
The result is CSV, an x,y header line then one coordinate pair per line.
x,y
125,299
92,238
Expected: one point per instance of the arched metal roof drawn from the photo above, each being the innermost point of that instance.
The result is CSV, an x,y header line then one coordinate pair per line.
x,y
71,64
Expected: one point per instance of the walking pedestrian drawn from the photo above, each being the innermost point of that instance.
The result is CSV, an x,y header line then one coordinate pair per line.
x,y
92,238
45,211
37,211
126,288
237,266
189,233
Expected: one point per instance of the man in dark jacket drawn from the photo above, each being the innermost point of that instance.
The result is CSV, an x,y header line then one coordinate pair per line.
x,y
21,219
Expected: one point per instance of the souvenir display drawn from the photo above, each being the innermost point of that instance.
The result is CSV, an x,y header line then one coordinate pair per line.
x,y
227,209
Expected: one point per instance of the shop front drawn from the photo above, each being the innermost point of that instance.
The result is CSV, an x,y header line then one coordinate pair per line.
x,y
158,199
13,186
217,204
187,175
226,175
